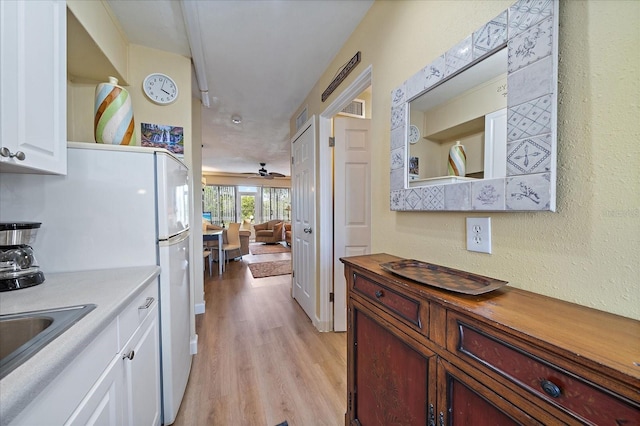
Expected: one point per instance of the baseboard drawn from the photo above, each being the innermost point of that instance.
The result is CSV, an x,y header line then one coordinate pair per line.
x,y
324,326
199,308
193,345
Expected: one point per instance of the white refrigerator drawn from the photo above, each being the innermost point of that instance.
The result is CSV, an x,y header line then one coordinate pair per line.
x,y
118,207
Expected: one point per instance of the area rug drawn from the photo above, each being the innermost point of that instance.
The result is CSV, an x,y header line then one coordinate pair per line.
x,y
260,248
270,269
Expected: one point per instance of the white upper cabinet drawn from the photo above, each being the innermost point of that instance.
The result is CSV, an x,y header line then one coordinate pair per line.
x,y
33,86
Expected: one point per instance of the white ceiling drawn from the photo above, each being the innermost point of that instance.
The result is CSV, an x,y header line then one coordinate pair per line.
x,y
262,59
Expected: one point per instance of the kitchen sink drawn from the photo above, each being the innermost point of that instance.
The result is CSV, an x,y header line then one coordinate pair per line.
x,y
25,333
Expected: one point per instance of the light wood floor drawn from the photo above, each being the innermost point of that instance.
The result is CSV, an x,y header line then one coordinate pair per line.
x,y
260,361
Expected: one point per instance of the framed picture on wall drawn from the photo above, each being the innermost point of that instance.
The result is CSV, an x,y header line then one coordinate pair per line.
x,y
168,137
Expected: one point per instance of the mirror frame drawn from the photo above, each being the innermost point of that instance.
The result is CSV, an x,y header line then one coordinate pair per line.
x,y
532,105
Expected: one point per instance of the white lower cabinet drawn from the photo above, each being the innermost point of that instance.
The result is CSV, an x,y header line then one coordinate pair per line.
x,y
103,404
128,392
142,374
116,390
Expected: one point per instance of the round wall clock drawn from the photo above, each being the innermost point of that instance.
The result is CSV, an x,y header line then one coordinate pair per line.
x,y
160,88
414,134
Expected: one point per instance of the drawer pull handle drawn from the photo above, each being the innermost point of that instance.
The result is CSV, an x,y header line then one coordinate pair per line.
x,y
550,388
130,355
147,303
379,294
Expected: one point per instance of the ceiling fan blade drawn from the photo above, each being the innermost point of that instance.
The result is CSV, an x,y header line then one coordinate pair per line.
x,y
276,174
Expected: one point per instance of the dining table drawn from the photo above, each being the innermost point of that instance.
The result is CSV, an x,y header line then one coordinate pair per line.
x,y
211,235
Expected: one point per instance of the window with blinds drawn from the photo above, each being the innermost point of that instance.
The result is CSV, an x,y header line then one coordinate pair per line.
x,y
275,202
220,201
222,204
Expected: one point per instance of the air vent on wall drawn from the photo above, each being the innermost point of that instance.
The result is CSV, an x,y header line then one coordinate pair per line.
x,y
354,109
301,119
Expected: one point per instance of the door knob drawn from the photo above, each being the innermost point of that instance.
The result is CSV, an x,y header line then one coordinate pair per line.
x,y
307,230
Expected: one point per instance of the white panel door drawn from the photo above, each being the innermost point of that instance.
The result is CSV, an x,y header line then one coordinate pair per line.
x,y
495,144
352,208
304,220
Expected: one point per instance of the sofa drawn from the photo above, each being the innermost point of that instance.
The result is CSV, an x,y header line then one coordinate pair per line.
x,y
270,232
213,245
287,234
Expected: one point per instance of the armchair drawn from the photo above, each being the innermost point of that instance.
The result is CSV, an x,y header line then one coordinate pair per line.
x,y
270,232
287,234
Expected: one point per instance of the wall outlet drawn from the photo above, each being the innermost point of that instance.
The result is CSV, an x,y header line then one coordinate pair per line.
x,y
479,234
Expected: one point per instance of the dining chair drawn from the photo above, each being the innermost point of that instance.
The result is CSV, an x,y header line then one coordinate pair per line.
x,y
233,240
208,255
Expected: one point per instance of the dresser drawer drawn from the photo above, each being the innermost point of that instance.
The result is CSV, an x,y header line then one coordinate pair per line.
x,y
562,388
401,305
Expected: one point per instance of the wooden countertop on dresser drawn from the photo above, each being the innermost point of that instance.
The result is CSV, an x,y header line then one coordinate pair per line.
x,y
606,341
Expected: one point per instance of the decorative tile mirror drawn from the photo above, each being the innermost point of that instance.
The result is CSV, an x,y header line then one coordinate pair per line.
x,y
495,93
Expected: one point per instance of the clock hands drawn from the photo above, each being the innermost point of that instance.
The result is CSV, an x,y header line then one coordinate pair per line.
x,y
162,87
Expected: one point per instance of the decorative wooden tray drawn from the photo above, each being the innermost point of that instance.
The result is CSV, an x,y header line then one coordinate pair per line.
x,y
443,277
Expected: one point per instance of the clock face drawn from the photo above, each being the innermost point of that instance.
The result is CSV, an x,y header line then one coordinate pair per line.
x,y
160,88
414,134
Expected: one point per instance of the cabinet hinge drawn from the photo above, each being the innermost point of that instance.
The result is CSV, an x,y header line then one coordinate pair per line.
x,y
332,141
292,159
293,273
350,403
331,297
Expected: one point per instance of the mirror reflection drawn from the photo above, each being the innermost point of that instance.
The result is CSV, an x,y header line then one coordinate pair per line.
x,y
511,164
470,109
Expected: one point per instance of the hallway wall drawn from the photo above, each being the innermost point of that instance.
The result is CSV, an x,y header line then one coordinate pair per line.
x,y
587,252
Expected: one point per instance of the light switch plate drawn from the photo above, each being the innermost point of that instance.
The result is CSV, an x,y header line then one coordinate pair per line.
x,y
479,234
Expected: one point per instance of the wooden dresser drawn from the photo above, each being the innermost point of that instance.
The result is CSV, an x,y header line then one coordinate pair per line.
x,y
417,355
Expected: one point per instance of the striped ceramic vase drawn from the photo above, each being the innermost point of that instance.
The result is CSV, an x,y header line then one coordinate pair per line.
x,y
457,160
113,122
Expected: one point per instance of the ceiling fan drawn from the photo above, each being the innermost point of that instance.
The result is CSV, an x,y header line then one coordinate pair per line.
x,y
263,173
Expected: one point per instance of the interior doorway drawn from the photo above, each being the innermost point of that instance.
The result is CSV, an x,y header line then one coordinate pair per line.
x,y
352,203
325,197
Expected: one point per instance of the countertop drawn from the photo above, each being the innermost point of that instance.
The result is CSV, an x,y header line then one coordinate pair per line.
x,y
110,290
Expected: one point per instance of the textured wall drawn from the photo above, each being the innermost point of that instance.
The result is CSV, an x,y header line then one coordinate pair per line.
x,y
589,251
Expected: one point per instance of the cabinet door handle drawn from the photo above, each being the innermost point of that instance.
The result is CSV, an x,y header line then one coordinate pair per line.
x,y
550,388
129,355
5,152
441,418
432,418
379,294
147,303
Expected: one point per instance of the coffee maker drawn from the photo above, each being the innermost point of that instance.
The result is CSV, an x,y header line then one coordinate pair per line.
x,y
18,265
